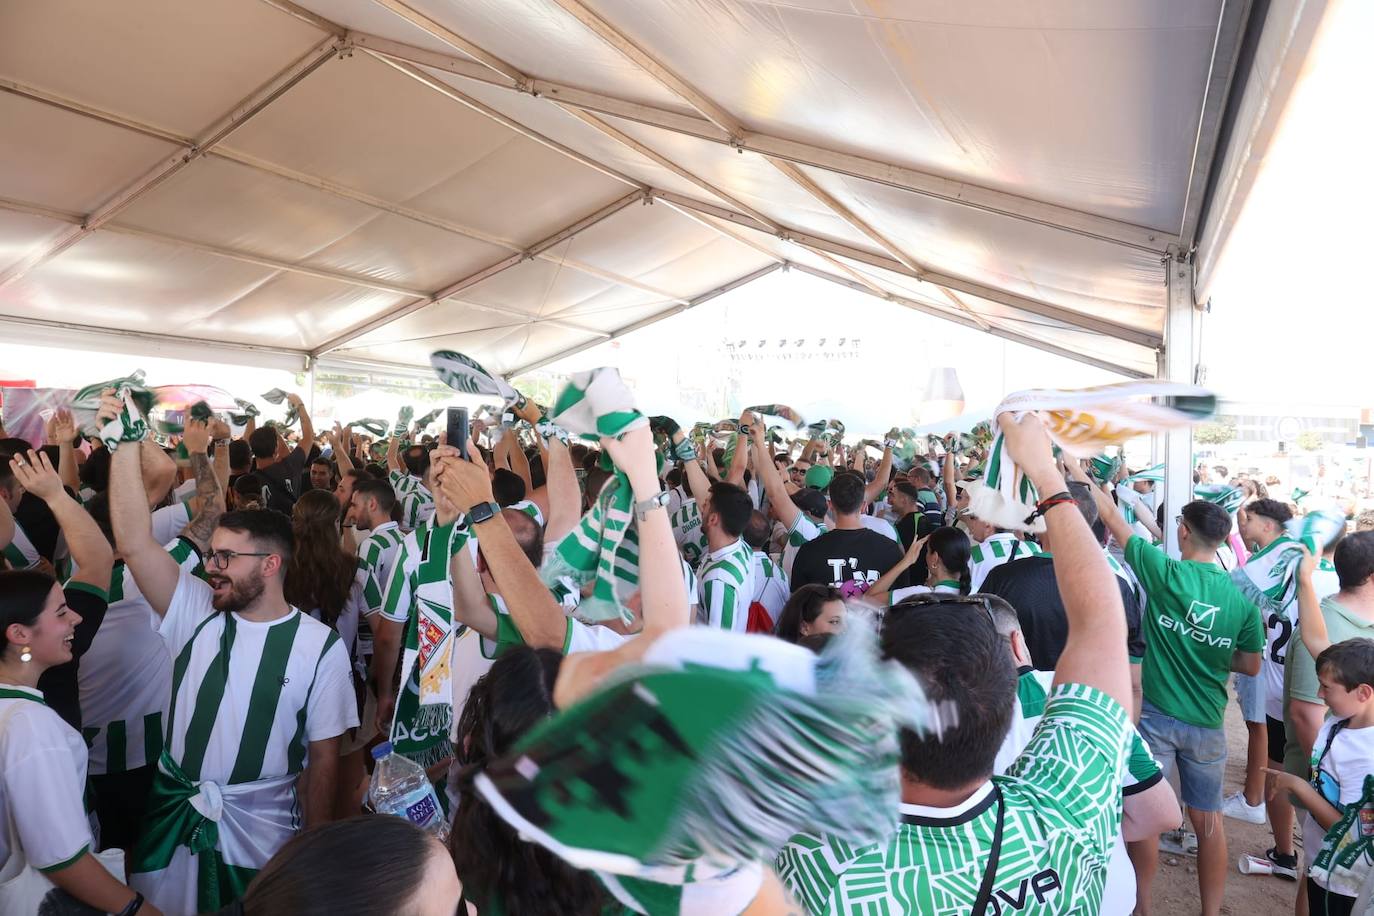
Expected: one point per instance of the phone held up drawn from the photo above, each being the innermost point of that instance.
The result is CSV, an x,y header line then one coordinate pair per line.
x,y
458,429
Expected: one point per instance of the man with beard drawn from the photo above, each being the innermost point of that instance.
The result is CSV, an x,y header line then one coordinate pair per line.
x,y
261,694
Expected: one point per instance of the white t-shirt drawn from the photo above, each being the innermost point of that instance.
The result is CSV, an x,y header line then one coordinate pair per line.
x,y
880,525
123,715
802,532
42,781
20,552
170,521
899,594
1341,774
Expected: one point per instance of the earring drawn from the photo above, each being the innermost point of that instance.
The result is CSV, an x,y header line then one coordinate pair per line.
x,y
26,655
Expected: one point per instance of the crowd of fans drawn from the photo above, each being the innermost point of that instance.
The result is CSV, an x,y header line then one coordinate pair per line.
x,y
200,644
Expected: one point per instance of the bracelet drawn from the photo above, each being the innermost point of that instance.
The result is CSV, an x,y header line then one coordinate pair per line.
x,y
133,906
1061,498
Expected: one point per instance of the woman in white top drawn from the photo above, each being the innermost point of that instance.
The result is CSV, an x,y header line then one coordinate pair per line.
x,y
42,758
947,553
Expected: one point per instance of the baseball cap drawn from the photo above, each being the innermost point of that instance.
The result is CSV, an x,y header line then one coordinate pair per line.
x,y
819,477
810,501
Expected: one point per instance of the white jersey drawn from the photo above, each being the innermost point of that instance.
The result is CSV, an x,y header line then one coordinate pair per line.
x,y
122,716
20,553
880,525
1269,578
688,532
727,585
530,508
417,503
170,521
42,782
802,532
770,585
999,548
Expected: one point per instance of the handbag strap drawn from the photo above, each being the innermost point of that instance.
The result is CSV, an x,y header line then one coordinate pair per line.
x,y
1336,727
980,903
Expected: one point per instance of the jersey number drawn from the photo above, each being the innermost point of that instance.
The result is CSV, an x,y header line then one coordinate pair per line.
x,y
1285,628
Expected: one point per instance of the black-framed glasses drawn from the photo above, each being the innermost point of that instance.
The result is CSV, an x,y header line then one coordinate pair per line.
x,y
930,599
220,559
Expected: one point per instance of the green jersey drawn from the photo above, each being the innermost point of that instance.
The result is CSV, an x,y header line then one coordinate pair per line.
x,y
1197,619
1060,807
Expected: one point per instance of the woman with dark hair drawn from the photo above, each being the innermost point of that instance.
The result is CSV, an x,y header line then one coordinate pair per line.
x,y
43,759
947,552
811,609
364,866
324,581
502,874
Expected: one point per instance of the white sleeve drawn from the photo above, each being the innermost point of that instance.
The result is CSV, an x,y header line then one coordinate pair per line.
x,y
169,521
185,491
192,603
43,787
596,638
332,709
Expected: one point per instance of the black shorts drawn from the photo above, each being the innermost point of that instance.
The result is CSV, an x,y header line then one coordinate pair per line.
x,y
120,802
1277,739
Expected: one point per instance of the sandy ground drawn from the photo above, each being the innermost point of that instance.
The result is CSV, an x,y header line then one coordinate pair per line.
x,y
1175,890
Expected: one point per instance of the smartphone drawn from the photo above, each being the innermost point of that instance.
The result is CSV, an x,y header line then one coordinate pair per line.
x,y
458,429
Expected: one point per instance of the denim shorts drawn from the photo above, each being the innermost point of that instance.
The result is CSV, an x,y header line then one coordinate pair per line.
x,y
1250,696
1198,754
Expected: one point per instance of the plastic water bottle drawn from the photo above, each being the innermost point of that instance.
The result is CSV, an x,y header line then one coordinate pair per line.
x,y
401,788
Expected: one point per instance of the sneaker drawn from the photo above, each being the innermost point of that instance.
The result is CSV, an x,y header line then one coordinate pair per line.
x,y
1284,866
1235,806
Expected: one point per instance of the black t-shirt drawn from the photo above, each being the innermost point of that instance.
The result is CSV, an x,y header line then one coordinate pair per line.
x,y
913,527
284,480
39,524
59,684
1029,585
849,560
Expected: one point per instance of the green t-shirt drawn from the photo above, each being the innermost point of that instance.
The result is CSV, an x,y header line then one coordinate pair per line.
x,y
1300,674
1063,812
1196,620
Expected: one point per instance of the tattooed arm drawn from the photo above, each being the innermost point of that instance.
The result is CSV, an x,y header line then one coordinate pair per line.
x,y
209,491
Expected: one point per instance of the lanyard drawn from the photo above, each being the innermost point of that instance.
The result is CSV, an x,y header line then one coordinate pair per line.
x,y
980,904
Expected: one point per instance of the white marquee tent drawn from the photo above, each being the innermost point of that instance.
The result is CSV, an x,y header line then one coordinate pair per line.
x,y
368,180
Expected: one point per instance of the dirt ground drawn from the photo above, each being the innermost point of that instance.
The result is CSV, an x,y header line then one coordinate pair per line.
x,y
1175,890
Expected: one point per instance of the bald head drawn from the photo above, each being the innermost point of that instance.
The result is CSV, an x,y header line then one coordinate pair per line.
x,y
528,535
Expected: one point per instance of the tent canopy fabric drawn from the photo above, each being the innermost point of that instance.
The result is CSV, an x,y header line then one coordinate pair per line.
x,y
376,179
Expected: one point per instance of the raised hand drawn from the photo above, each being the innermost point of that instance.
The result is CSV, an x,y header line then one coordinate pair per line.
x,y
36,474
196,436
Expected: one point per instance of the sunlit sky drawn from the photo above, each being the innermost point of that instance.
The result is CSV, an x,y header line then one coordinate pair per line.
x,y
1292,315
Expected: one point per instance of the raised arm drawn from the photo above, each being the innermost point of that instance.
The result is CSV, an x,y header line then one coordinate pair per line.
x,y
154,570
470,605
61,431
533,610
393,458
338,446
307,427
697,484
948,478
877,593
221,434
1106,506
1095,651
880,476
88,546
209,489
1311,623
519,461
773,487
565,497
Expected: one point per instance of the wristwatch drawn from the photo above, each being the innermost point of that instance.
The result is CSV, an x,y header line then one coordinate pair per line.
x,y
483,512
658,501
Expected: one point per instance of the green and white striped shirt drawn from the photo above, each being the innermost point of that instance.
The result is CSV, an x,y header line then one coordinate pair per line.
x,y
248,697
20,553
802,532
688,532
727,587
122,714
529,507
1062,815
376,557
417,503
1000,548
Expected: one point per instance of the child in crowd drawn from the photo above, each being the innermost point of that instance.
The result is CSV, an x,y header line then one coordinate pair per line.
x,y
1343,754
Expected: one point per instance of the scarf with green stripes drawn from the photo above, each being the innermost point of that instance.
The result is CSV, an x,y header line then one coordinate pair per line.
x,y
403,418
377,428
1154,474
428,418
670,771
465,374
1104,468
247,410
1317,527
600,548
1082,423
132,424
276,396
782,411
1224,495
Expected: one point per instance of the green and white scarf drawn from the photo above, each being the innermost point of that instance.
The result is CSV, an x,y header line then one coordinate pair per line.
x,y
1154,474
247,410
277,396
372,425
670,772
1224,495
597,405
1317,527
428,418
465,374
782,411
1104,468
1082,423
131,425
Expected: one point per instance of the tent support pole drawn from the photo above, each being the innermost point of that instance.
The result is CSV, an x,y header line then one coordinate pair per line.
x,y
1178,363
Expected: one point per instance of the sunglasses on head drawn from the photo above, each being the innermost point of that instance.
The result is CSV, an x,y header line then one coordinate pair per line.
x,y
932,599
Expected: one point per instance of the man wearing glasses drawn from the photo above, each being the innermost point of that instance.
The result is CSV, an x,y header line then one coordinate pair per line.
x,y
261,694
1037,840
